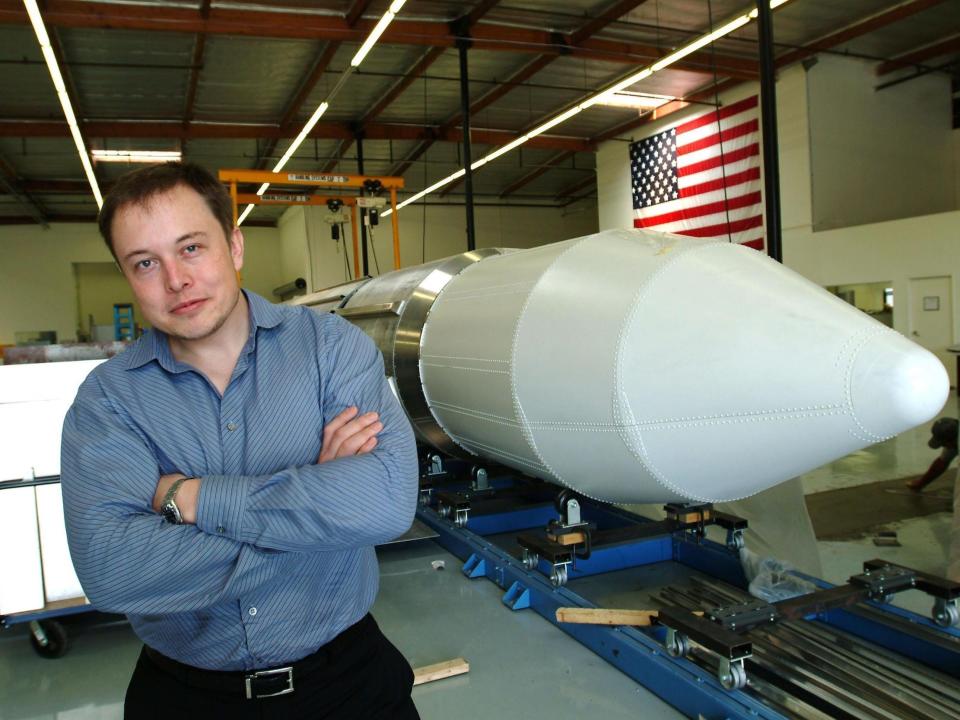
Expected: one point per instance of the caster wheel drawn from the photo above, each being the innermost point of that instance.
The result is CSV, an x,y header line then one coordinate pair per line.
x,y
733,677
530,560
946,615
559,576
678,645
49,638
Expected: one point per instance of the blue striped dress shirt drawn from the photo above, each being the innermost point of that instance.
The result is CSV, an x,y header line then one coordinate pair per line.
x,y
281,558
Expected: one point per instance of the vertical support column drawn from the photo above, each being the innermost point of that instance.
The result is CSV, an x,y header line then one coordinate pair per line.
x,y
356,244
395,224
768,114
463,45
363,211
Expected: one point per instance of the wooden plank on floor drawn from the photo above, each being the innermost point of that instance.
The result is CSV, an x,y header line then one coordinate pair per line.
x,y
440,670
604,616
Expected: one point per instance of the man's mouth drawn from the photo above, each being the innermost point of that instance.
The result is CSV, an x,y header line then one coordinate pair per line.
x,y
187,306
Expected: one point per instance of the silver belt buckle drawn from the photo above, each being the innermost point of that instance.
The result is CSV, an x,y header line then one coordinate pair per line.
x,y
269,673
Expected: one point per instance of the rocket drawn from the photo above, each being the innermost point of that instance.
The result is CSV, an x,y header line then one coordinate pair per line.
x,y
638,367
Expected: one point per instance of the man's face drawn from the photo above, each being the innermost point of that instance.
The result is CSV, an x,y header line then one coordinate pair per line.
x,y
182,270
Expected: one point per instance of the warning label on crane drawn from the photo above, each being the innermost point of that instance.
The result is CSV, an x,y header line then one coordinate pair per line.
x,y
286,198
332,179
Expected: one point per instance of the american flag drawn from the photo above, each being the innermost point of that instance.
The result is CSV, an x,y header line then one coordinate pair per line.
x,y
702,177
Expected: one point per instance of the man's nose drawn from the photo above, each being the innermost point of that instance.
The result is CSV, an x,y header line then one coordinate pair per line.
x,y
177,277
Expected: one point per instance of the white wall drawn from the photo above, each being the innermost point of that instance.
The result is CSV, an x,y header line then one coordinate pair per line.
x,y
37,283
956,168
426,233
894,251
878,154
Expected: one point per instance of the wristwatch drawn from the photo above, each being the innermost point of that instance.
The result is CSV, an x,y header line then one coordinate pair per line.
x,y
168,506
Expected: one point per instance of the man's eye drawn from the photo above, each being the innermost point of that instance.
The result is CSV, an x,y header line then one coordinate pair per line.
x,y
191,248
144,264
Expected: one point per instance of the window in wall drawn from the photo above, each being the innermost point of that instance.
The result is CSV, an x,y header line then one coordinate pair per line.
x,y
875,299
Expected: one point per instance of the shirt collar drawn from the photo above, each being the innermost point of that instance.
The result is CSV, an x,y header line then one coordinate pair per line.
x,y
154,346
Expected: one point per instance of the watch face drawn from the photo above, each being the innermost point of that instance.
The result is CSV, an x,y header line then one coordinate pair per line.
x,y
171,513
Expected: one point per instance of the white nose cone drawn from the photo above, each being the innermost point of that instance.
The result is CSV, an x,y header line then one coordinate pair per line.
x,y
641,367
895,385
736,373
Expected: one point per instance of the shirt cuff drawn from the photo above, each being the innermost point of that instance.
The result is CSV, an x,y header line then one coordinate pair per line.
x,y
221,504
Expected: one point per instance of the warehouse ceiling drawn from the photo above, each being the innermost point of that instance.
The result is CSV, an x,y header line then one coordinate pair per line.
x,y
230,84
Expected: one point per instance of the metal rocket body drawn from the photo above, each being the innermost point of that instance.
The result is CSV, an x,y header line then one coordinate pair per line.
x,y
634,366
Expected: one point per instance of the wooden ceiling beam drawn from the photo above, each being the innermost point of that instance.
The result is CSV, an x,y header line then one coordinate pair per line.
x,y
255,23
322,131
947,46
531,68
420,67
577,187
706,95
14,186
92,218
874,22
535,173
194,78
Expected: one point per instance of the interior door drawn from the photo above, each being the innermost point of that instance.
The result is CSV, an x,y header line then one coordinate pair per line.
x,y
931,319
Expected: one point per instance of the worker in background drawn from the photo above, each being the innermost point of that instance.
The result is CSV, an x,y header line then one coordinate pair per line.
x,y
943,435
226,479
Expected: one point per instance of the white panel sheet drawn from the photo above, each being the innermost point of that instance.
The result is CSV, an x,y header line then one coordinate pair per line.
x,y
59,579
33,402
21,582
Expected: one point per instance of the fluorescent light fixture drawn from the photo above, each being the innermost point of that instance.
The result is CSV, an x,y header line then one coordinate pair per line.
x,y
378,29
371,40
504,149
136,156
243,215
607,96
33,12
622,85
561,118
641,101
701,42
298,141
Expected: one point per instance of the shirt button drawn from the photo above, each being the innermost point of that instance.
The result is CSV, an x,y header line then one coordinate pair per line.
x,y
252,611
221,529
231,426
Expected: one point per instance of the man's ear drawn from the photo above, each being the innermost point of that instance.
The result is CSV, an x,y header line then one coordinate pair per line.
x,y
236,248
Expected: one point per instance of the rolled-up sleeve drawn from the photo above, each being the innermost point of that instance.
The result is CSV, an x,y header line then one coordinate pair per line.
x,y
128,559
344,503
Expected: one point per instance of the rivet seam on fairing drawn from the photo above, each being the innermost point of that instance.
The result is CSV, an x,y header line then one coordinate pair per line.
x,y
423,335
527,430
868,335
630,436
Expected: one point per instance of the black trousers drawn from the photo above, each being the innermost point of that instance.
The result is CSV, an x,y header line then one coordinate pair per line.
x,y
366,680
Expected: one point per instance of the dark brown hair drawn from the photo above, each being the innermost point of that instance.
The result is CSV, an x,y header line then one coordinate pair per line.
x,y
139,186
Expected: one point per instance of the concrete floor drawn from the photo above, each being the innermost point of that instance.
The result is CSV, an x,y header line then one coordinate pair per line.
x,y
521,666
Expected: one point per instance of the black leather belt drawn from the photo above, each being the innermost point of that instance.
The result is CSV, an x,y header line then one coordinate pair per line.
x,y
269,682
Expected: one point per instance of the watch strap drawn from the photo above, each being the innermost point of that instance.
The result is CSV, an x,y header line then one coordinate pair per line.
x,y
168,506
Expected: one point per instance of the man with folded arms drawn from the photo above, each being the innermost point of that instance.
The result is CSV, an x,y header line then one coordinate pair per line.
x,y
226,479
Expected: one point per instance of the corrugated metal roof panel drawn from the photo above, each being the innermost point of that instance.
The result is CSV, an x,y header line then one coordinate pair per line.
x,y
251,80
25,84
126,73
